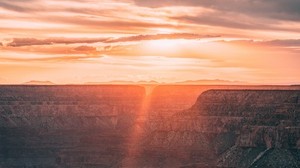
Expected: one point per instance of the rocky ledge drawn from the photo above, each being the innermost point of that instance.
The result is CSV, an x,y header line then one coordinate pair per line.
x,y
233,128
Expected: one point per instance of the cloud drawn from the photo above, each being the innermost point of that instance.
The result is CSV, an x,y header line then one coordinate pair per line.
x,y
119,24
286,42
126,17
54,50
162,36
276,9
79,58
50,53
17,5
244,14
274,43
279,45
79,16
19,42
225,20
220,20
85,48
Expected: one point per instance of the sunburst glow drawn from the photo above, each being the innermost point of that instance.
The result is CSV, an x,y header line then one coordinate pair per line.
x,y
136,39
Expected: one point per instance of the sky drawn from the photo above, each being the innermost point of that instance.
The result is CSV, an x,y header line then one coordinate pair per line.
x,y
79,41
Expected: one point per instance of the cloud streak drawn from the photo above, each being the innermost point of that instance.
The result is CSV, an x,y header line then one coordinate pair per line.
x,y
276,9
17,5
270,43
19,42
286,42
54,50
56,59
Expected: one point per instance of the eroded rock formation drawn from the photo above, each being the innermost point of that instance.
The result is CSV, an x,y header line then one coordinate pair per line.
x,y
66,126
233,128
126,126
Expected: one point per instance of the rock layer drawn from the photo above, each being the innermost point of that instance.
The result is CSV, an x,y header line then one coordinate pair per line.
x,y
126,126
66,126
234,128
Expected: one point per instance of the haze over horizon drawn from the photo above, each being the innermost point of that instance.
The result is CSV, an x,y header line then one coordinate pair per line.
x,y
78,41
153,82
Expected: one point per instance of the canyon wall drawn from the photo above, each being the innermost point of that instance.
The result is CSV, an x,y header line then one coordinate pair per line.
x,y
130,126
232,128
66,126
166,100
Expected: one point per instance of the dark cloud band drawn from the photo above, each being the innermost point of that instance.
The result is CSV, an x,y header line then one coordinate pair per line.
x,y
276,9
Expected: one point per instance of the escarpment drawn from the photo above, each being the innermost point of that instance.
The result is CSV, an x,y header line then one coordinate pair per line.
x,y
234,128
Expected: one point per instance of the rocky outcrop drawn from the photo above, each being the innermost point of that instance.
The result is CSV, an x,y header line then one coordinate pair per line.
x,y
234,128
167,100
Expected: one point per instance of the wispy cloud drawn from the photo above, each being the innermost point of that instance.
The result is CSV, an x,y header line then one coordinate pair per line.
x,y
284,42
162,36
18,42
53,59
52,50
17,5
271,15
275,9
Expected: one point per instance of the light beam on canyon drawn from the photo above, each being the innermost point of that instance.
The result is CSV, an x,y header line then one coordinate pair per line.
x,y
134,147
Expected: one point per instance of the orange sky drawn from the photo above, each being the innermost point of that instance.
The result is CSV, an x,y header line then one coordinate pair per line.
x,y
78,41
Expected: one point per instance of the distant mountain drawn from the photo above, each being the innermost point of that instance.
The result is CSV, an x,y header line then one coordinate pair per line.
x,y
123,82
35,82
148,82
187,82
212,82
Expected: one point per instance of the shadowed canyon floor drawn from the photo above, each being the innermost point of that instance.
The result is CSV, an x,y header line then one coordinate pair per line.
x,y
149,126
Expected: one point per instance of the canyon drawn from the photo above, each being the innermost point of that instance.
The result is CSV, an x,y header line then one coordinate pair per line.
x,y
149,126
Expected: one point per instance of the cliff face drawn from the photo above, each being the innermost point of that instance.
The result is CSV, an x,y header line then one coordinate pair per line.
x,y
234,128
68,107
167,100
66,126
123,126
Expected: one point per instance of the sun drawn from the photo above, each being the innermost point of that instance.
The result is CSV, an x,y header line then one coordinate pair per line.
x,y
164,46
